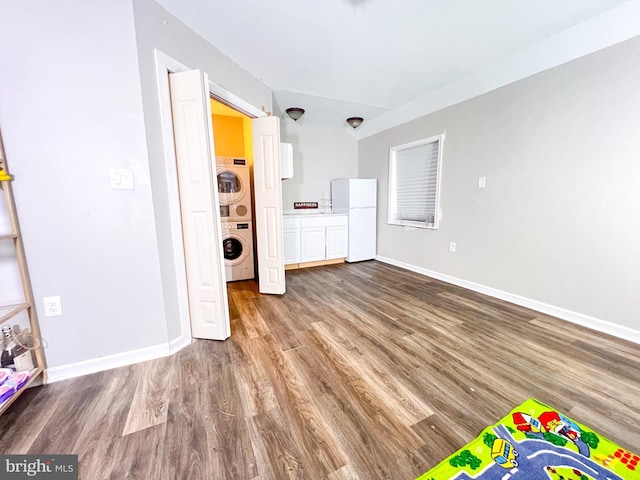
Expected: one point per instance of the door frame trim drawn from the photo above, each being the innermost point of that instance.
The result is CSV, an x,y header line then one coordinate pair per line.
x,y
164,65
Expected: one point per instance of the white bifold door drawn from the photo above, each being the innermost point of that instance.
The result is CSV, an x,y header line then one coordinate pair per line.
x,y
268,200
199,206
200,211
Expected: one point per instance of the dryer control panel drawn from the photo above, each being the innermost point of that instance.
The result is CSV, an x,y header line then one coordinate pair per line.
x,y
231,161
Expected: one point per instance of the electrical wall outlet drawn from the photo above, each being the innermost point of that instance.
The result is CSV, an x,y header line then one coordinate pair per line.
x,y
452,247
52,306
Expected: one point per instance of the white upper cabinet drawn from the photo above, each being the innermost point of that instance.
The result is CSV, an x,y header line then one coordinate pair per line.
x,y
286,160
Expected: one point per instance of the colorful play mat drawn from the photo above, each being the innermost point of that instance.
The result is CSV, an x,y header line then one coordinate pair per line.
x,y
534,441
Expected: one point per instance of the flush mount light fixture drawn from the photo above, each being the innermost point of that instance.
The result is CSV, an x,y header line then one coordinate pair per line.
x,y
355,122
295,113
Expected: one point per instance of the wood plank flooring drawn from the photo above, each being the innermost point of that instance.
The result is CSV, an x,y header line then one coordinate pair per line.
x,y
360,371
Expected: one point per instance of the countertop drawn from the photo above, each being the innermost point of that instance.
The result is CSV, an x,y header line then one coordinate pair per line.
x,y
310,213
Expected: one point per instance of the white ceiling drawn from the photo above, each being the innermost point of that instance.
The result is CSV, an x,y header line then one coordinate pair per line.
x,y
377,58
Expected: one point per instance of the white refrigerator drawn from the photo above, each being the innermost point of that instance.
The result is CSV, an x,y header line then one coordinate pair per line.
x,y
357,197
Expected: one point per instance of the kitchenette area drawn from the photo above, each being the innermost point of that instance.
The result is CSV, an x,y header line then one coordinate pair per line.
x,y
344,230
329,214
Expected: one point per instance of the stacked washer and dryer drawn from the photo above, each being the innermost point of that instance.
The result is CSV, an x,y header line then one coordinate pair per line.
x,y
234,191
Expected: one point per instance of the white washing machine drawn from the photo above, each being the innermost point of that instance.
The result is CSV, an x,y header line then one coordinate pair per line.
x,y
234,189
237,246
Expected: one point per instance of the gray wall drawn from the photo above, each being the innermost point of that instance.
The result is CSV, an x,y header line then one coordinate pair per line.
x,y
321,153
558,221
157,29
70,110
78,97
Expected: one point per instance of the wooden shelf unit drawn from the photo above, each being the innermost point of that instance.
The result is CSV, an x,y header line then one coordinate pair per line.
x,y
7,312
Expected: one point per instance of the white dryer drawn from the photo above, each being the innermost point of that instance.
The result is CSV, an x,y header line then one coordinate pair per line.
x,y
234,189
237,246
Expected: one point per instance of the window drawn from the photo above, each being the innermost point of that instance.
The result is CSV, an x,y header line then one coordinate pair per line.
x,y
414,183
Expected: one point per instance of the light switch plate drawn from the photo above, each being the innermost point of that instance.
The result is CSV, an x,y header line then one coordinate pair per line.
x,y
482,182
122,179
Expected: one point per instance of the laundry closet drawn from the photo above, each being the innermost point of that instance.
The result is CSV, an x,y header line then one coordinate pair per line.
x,y
234,176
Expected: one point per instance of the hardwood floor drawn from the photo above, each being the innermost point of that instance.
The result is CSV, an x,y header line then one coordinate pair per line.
x,y
360,371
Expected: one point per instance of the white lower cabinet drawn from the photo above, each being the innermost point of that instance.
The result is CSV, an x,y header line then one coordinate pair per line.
x,y
314,238
312,244
336,239
291,234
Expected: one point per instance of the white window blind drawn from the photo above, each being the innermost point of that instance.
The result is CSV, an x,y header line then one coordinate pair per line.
x,y
414,183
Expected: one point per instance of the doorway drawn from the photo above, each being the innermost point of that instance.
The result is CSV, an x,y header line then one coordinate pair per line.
x,y
268,196
232,134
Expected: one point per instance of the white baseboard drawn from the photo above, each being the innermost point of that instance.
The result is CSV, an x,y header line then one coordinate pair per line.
x,y
108,362
178,344
600,325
